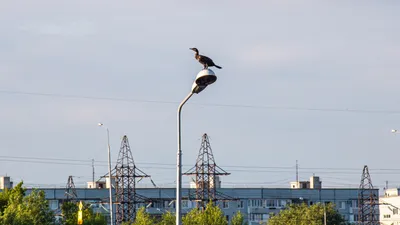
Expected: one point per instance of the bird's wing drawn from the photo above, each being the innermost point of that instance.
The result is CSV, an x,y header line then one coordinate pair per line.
x,y
205,59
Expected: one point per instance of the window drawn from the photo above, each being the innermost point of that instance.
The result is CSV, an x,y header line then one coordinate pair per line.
x,y
386,216
271,203
53,204
156,205
395,211
225,204
240,204
255,203
342,205
185,204
258,217
168,204
282,203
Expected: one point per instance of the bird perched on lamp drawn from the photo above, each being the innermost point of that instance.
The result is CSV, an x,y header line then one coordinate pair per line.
x,y
204,59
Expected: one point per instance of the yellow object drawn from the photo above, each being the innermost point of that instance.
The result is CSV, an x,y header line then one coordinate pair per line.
x,y
80,220
80,206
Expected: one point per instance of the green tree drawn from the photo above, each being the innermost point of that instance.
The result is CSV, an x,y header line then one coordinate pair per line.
x,y
307,215
4,196
70,215
237,219
142,218
168,218
99,219
192,217
212,215
32,209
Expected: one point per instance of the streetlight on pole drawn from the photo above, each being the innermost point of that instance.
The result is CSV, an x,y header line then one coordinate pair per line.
x,y
109,173
203,79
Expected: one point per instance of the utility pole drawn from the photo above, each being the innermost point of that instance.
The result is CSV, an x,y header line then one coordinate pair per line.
x,y
93,185
297,173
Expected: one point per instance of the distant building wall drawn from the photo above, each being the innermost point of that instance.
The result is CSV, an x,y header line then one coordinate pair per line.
x,y
96,184
5,182
314,183
257,204
389,207
216,183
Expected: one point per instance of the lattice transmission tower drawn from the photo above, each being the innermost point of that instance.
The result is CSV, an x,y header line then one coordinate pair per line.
x,y
70,191
207,174
126,173
367,200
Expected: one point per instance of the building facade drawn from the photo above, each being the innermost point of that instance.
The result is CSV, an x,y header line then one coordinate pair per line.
x,y
389,207
5,182
256,204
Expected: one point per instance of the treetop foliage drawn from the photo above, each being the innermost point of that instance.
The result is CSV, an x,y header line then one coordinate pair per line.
x,y
308,215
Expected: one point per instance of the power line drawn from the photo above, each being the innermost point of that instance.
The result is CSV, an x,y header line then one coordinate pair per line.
x,y
243,170
239,168
290,108
42,158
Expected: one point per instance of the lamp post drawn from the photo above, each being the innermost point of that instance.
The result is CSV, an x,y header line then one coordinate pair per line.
x,y
203,79
109,173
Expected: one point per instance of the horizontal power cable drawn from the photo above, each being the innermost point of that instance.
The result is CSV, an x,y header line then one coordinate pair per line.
x,y
203,104
240,168
234,170
42,158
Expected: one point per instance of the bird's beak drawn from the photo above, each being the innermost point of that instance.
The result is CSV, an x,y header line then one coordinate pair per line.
x,y
191,49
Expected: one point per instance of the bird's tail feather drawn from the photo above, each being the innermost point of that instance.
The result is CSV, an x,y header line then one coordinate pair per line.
x,y
218,67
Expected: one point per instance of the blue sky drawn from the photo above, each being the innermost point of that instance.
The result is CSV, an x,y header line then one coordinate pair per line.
x,y
281,60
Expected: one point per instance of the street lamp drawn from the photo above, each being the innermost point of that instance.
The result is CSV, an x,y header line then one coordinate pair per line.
x,y
109,172
394,131
203,79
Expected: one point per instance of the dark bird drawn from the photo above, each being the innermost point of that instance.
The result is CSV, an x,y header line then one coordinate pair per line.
x,y
204,59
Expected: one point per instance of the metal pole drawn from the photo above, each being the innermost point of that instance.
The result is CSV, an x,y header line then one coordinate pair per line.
x,y
109,175
179,166
93,185
324,214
